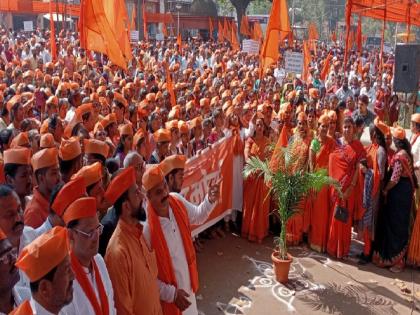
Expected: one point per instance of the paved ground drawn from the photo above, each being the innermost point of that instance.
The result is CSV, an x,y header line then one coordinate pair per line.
x,y
236,278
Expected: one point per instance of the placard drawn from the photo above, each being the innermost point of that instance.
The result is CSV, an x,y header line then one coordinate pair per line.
x,y
293,62
134,36
159,36
250,46
28,26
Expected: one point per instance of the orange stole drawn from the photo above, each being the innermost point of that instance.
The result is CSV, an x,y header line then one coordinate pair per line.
x,y
100,307
256,205
320,214
165,268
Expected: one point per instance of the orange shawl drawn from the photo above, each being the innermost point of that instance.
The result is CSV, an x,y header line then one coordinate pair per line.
x,y
372,157
100,307
165,268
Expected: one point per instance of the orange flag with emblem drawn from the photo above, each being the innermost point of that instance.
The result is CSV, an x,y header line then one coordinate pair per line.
x,y
278,28
96,32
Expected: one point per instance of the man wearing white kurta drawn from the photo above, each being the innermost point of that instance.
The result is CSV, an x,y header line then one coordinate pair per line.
x,y
173,230
93,290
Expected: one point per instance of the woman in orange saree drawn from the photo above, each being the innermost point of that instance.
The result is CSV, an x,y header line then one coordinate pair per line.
x,y
321,148
343,167
256,205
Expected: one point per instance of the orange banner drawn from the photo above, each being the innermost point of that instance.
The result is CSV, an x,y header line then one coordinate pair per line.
x,y
212,164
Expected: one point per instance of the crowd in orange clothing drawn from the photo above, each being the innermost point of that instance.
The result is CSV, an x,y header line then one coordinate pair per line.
x,y
92,161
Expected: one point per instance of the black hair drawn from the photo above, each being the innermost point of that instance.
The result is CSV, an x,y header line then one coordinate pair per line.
x,y
4,112
13,111
49,276
72,223
6,190
380,137
359,121
10,169
56,189
99,157
173,172
66,166
53,121
152,117
132,110
112,165
5,136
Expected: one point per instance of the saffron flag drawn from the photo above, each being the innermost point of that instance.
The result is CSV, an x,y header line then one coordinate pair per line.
x,y
282,142
226,31
211,28
234,36
326,67
257,32
220,31
133,18
170,86
116,14
244,29
359,37
179,42
96,32
312,32
164,30
278,28
334,36
52,35
145,32
306,61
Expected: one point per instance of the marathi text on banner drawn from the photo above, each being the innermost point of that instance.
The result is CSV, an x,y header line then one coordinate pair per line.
x,y
293,62
212,164
250,46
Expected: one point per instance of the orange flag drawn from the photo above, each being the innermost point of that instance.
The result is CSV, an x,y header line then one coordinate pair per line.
x,y
257,32
133,18
306,61
164,30
52,35
278,28
170,87
211,28
333,36
312,32
179,42
220,31
117,16
96,32
326,67
244,29
359,37
226,31
234,36
282,142
146,34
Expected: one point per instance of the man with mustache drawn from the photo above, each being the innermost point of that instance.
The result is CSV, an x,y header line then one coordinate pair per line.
x,y
93,293
10,296
46,263
168,231
18,173
47,175
131,265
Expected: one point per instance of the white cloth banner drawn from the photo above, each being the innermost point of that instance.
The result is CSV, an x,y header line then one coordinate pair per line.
x,y
250,46
293,62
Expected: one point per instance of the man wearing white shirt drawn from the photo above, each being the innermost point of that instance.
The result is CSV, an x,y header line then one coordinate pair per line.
x,y
93,292
168,231
369,92
46,263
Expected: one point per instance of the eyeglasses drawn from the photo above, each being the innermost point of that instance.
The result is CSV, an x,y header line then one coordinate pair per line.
x,y
9,257
99,229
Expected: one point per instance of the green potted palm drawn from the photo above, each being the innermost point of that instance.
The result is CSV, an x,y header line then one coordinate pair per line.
x,y
288,185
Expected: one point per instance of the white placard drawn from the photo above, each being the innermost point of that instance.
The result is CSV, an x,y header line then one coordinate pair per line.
x,y
250,46
28,26
134,36
293,62
160,36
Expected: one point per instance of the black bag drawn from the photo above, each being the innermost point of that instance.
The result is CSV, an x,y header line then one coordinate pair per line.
x,y
341,214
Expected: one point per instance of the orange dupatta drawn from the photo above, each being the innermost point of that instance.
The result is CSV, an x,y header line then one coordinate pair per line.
x,y
165,268
101,308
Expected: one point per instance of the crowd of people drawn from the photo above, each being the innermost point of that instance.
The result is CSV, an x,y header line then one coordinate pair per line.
x,y
91,216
